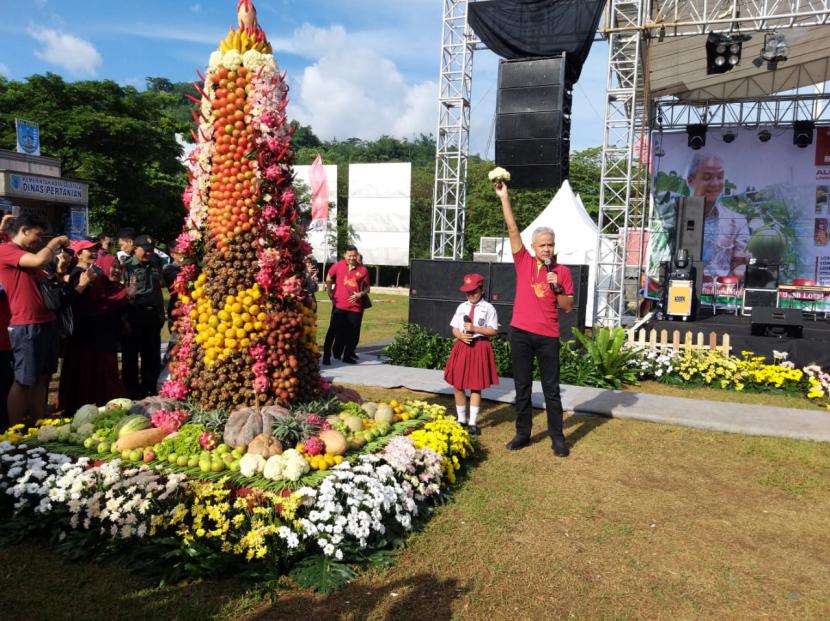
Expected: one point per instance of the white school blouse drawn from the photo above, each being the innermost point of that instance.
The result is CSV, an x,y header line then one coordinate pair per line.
x,y
484,316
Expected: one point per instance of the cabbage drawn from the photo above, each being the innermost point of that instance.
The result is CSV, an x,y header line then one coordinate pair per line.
x,y
86,430
85,414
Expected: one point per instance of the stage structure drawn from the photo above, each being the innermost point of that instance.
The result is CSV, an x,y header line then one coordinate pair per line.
x,y
657,80
458,44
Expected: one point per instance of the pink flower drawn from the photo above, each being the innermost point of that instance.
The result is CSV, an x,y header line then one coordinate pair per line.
x,y
292,286
272,173
187,195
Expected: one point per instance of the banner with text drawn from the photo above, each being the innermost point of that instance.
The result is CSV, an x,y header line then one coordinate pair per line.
x,y
766,208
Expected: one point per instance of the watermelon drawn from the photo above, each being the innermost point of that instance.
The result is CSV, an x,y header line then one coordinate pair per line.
x,y
767,243
134,422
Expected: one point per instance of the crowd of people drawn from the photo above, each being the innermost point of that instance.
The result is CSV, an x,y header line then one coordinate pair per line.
x,y
87,301
81,301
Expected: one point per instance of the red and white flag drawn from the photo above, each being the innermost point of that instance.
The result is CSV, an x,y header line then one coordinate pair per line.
x,y
319,191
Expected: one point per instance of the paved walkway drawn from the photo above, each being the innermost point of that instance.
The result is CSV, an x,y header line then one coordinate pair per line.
x,y
713,415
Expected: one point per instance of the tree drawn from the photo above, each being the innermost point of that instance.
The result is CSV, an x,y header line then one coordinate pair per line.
x,y
585,177
122,142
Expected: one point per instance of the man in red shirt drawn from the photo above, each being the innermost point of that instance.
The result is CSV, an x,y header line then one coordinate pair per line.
x,y
542,289
33,330
347,284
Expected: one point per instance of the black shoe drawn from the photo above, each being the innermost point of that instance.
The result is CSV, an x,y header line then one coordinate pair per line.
x,y
338,356
350,360
517,443
326,360
560,449
473,430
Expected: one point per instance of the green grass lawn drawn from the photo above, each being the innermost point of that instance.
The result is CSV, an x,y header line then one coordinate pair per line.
x,y
643,521
380,323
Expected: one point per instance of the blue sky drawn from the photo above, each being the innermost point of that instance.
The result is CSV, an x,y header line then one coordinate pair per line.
x,y
357,68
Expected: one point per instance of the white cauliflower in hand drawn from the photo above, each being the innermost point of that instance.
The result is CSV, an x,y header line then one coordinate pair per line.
x,y
498,175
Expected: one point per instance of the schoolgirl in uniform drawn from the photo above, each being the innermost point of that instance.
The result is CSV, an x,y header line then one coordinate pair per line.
x,y
472,364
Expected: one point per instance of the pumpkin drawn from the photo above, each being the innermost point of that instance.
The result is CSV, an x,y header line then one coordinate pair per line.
x,y
265,445
246,423
151,405
345,395
334,441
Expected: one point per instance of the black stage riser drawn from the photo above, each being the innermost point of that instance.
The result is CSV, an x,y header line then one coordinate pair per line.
x,y
434,294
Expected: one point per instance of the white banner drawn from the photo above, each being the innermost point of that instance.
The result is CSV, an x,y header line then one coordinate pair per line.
x,y
379,211
323,239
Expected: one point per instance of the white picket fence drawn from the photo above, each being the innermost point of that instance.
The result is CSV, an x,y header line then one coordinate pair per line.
x,y
651,339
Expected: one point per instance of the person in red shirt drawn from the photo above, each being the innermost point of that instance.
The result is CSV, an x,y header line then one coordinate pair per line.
x,y
33,331
542,289
347,284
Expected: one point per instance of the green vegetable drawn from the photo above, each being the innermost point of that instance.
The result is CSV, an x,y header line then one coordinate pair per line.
x,y
184,442
136,422
85,414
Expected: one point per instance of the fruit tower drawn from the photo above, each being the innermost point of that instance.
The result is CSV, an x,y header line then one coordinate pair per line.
x,y
246,333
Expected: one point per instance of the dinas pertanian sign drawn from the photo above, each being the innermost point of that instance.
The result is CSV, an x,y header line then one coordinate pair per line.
x,y
44,188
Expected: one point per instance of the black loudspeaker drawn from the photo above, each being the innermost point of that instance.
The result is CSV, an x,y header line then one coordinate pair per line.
x,y
778,322
533,121
434,314
760,298
441,279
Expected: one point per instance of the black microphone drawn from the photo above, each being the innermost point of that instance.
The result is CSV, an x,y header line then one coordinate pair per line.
x,y
548,268
466,319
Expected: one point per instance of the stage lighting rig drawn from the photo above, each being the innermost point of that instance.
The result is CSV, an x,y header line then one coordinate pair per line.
x,y
803,133
729,136
723,51
696,135
775,47
764,135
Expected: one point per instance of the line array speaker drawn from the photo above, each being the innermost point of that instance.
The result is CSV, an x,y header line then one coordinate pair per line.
x,y
533,121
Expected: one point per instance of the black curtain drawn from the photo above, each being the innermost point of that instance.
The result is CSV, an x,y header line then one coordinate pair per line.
x,y
538,28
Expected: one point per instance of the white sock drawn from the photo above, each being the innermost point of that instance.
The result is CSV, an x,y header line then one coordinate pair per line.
x,y
473,415
461,411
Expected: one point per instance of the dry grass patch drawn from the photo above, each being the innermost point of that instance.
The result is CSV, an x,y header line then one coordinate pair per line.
x,y
643,521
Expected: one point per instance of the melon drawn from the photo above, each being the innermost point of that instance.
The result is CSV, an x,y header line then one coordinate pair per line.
x,y
370,407
334,441
354,423
384,413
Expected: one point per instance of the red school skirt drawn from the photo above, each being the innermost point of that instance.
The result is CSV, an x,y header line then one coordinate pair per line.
x,y
471,367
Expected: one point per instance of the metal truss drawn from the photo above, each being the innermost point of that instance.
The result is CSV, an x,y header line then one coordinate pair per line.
x,y
629,25
453,138
780,111
622,196
695,17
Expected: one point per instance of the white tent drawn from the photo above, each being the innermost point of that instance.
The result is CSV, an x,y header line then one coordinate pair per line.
x,y
576,237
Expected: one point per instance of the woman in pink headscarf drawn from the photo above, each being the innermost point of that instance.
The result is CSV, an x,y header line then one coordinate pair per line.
x,y
90,365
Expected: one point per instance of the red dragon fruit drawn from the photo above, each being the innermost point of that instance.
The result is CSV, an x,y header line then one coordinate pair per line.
x,y
314,446
208,441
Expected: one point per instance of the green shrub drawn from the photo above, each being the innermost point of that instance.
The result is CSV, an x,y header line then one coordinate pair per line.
x,y
419,348
609,356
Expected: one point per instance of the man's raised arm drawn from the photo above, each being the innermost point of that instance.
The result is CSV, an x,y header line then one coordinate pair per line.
x,y
507,209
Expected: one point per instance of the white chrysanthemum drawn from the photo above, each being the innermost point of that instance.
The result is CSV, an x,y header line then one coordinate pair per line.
x,y
232,59
214,61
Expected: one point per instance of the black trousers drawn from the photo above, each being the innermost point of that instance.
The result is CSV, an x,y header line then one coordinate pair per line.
x,y
343,334
144,342
524,347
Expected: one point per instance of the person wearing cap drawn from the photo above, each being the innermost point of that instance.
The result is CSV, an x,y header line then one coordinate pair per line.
x,y
472,364
543,288
89,373
145,317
